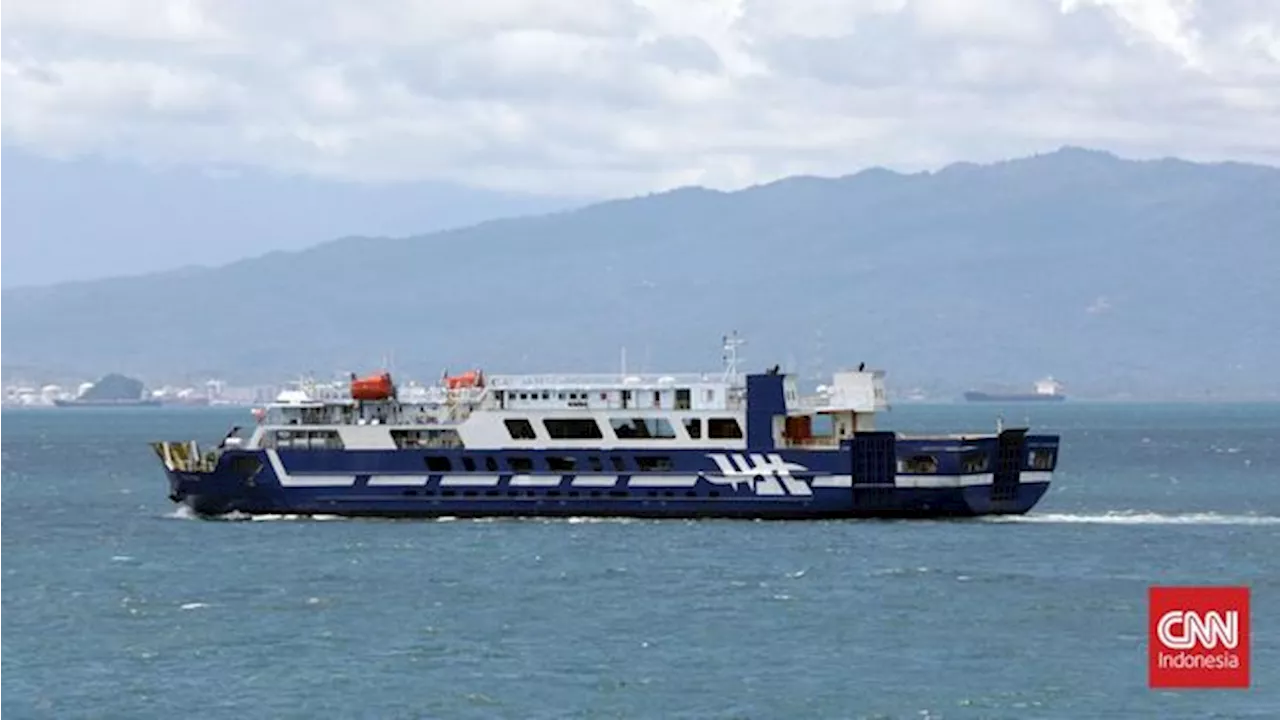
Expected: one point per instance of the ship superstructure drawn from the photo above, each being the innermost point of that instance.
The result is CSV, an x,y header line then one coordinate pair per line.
x,y
724,444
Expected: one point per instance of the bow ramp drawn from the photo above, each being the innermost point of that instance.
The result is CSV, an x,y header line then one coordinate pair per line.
x,y
184,456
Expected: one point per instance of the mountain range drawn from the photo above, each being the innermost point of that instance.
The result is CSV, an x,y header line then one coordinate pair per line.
x,y
1122,278
79,218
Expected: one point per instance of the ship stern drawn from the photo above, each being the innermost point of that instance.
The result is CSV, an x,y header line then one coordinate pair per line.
x,y
1004,474
1022,466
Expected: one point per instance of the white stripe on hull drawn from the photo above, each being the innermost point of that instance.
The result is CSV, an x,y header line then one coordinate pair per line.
x,y
287,480
318,481
663,481
832,481
469,481
535,480
398,480
596,481
960,481
944,481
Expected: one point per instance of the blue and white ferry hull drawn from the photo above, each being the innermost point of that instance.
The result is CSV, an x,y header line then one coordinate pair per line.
x,y
858,481
668,447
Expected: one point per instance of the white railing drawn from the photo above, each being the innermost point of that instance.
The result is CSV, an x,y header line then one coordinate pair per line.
x,y
603,381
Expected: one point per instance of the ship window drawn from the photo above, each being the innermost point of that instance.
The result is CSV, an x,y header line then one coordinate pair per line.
x,y
468,464
694,426
1040,459
520,464
919,464
491,464
653,463
304,440
822,425
596,466
619,465
435,463
642,428
573,428
561,464
406,438
520,429
974,462
683,401
444,438
426,438
724,429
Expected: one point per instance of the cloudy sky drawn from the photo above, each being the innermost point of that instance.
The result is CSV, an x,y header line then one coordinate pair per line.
x,y
614,97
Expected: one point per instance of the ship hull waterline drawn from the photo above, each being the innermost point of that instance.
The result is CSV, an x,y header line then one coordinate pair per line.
x,y
231,489
903,504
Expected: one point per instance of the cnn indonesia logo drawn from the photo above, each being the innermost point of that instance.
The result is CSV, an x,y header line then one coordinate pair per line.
x,y
1198,637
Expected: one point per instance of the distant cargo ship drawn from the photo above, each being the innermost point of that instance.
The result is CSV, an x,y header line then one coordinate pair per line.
x,y
78,402
1047,390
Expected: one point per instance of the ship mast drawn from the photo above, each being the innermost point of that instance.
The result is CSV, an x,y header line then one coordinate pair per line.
x,y
731,343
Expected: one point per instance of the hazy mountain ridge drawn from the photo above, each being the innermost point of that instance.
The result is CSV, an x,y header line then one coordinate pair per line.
x,y
87,217
1156,278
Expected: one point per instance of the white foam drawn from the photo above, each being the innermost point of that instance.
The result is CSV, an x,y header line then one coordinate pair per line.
x,y
281,518
1131,517
194,605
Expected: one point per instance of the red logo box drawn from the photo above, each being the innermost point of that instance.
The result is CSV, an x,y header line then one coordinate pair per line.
x,y
1198,637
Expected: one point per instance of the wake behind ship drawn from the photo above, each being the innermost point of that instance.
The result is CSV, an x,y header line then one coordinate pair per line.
x,y
689,446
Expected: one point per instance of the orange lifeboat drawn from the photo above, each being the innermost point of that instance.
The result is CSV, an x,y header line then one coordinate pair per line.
x,y
374,387
468,379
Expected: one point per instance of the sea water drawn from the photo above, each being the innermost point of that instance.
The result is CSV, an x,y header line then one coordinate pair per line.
x,y
115,605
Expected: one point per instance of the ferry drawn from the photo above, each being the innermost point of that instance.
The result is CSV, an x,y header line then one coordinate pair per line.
x,y
724,444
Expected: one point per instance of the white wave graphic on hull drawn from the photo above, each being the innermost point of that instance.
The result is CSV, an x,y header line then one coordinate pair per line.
x,y
1138,518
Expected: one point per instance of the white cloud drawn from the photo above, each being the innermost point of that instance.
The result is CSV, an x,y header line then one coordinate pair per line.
x,y
614,97
1166,22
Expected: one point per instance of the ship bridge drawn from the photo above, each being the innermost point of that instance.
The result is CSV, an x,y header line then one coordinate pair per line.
x,y
836,411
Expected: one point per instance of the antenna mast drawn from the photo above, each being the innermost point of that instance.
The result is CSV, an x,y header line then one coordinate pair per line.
x,y
731,343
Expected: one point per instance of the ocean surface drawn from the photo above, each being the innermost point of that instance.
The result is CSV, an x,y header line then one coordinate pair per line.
x,y
116,606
